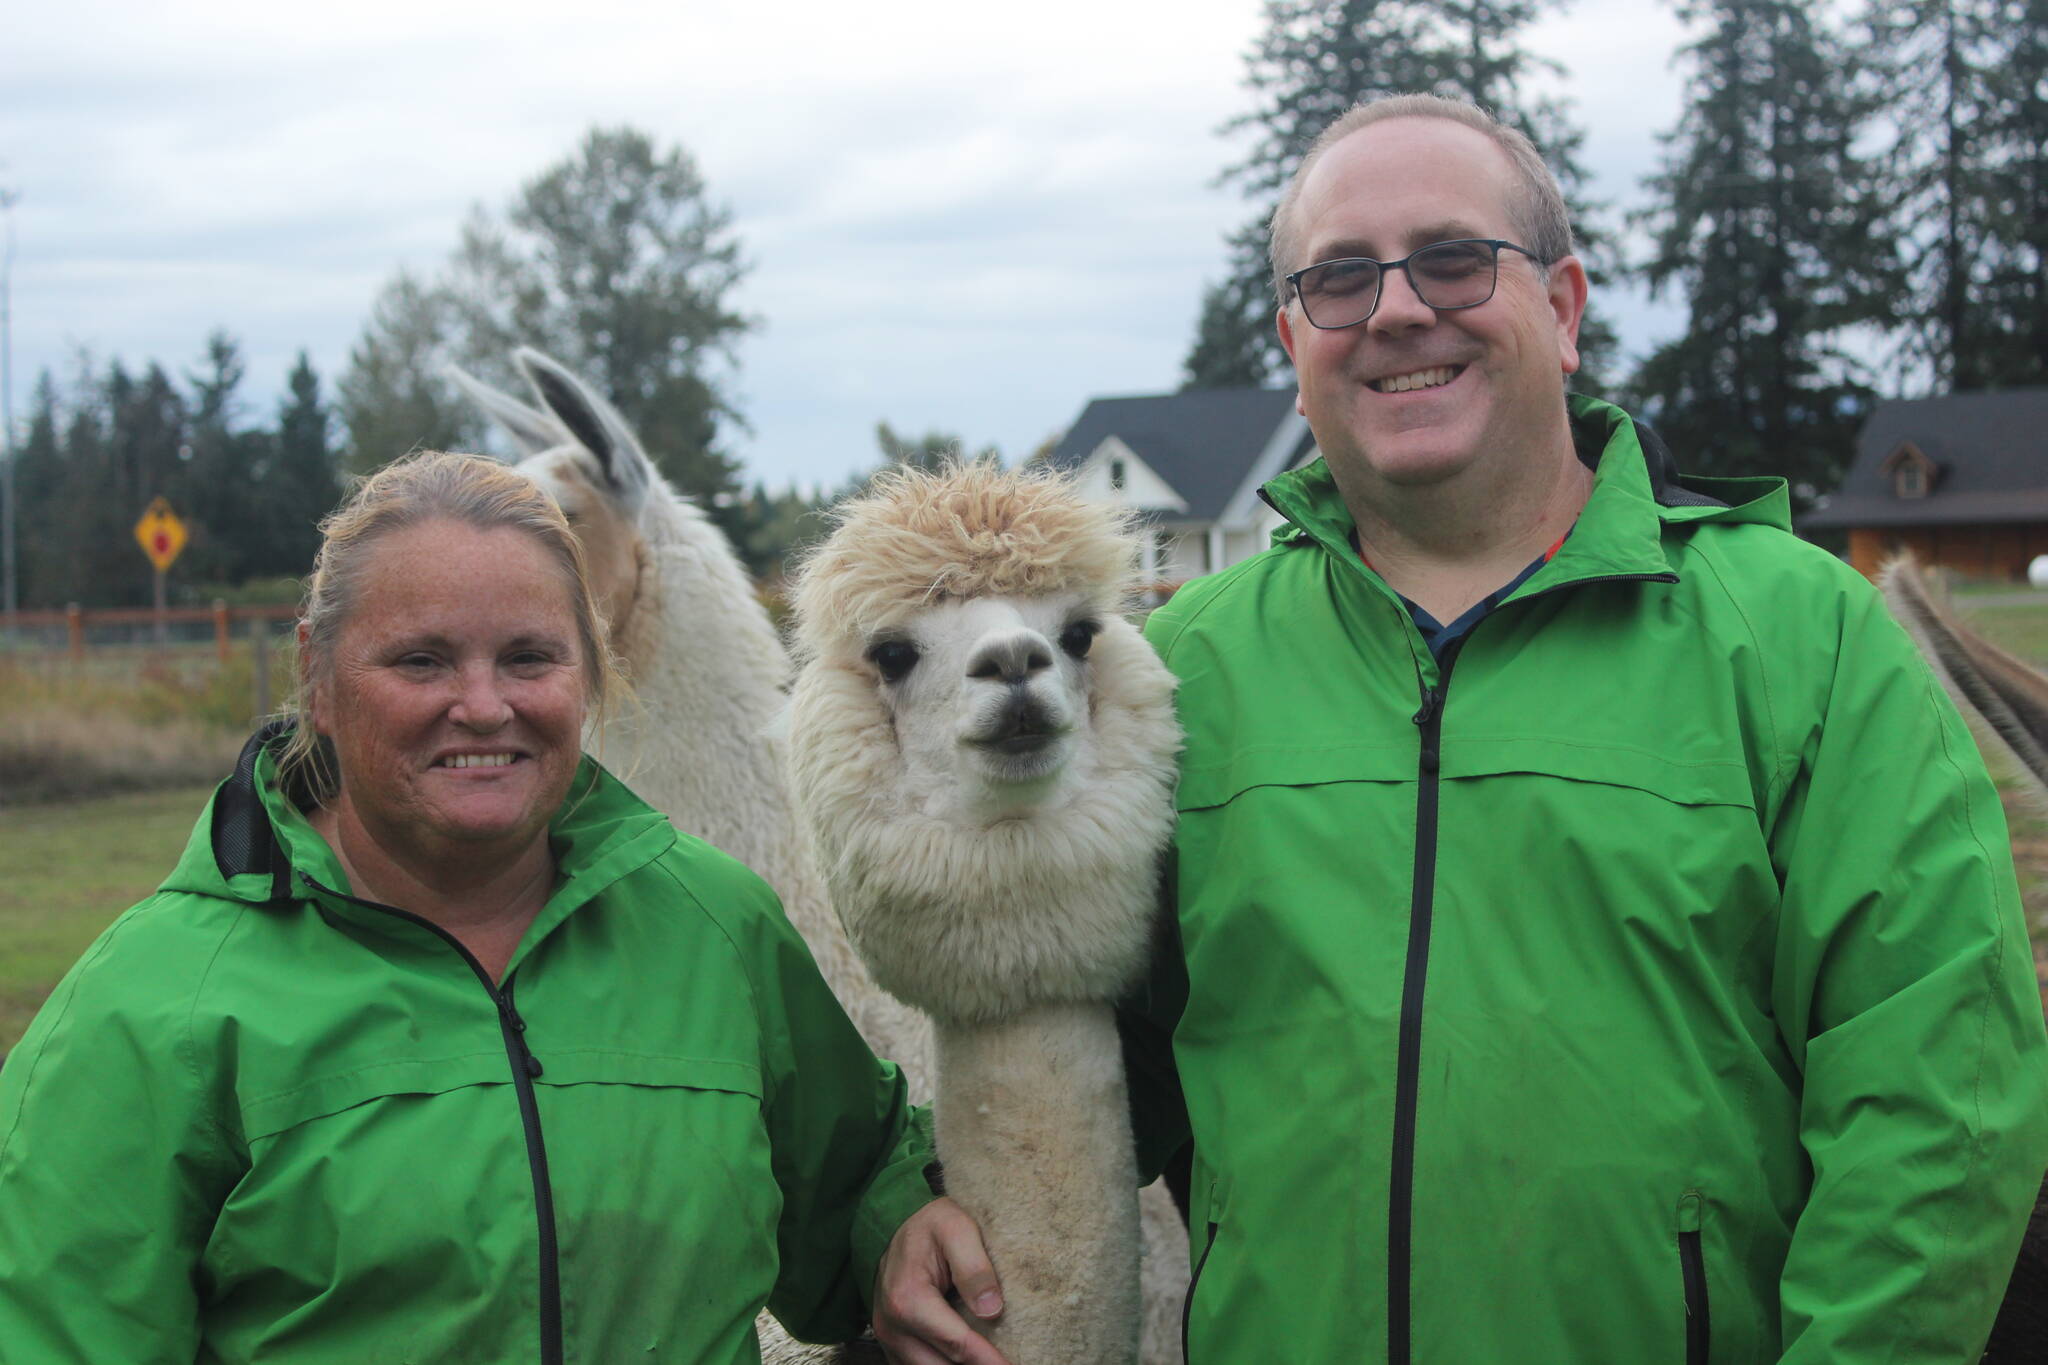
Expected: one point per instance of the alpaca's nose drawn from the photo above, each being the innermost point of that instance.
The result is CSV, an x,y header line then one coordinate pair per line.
x,y
1011,658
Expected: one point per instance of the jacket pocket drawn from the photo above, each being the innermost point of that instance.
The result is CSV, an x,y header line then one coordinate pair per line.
x,y
1692,1268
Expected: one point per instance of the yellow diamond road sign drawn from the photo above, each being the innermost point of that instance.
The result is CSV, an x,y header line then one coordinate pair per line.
x,y
160,534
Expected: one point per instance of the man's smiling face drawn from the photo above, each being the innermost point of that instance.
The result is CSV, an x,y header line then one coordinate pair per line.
x,y
1411,396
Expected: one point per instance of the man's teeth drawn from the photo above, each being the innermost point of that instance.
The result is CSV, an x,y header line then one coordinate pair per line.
x,y
476,760
1420,379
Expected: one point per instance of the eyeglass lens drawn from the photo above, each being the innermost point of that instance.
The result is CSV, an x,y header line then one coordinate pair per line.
x,y
1446,275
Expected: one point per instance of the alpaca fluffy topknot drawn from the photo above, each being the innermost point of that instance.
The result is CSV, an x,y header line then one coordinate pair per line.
x,y
916,538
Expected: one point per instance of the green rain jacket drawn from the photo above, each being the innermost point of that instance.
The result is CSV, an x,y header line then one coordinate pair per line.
x,y
261,1120
1645,982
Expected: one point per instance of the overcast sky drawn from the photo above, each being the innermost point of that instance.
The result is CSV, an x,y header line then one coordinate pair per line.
x,y
957,218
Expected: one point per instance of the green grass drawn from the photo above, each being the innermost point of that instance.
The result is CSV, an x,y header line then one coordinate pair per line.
x,y
65,872
2023,630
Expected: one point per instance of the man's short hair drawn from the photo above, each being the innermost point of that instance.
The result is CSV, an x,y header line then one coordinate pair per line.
x,y
1537,210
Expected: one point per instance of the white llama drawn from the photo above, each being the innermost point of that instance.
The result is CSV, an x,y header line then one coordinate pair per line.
x,y
983,753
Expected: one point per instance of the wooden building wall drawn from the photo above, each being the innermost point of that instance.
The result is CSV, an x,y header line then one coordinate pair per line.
x,y
1993,552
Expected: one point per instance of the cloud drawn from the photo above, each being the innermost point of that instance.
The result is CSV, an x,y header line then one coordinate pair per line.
x,y
965,217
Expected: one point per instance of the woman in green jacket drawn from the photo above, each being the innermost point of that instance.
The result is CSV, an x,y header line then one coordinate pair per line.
x,y
438,1044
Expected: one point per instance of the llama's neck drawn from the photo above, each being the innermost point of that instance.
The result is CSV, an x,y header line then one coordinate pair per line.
x,y
708,671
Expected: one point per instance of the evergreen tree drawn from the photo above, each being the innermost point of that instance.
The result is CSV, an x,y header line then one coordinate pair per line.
x,y
1966,169
2010,342
301,487
226,467
1317,58
39,484
1764,217
1235,343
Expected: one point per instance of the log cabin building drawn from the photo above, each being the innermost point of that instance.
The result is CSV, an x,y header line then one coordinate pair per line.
x,y
1960,480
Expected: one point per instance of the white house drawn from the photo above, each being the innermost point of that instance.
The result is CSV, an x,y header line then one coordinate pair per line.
x,y
1192,463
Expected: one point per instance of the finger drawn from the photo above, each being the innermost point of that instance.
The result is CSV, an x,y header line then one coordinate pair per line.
x,y
935,1325
967,1261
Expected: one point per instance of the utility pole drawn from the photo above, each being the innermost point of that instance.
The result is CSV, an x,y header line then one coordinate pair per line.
x,y
9,577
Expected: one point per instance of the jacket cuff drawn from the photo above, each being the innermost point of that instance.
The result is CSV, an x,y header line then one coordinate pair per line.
x,y
899,1189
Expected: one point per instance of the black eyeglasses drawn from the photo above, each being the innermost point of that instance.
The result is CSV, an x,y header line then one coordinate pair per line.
x,y
1445,275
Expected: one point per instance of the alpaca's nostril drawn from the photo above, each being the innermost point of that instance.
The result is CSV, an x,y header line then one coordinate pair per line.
x,y
1013,660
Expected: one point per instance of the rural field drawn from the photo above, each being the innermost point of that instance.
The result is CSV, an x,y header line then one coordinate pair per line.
x,y
103,771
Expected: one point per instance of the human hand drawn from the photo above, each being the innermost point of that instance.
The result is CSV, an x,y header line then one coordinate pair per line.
x,y
938,1248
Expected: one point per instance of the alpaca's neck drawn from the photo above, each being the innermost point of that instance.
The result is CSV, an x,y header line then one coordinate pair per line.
x,y
1035,1138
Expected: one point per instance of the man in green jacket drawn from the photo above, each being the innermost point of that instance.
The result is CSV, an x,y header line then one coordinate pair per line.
x,y
1594,936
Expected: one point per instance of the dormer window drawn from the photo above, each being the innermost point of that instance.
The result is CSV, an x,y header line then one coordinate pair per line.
x,y
1911,472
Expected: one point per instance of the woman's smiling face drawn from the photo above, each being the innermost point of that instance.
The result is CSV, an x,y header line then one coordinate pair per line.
x,y
455,698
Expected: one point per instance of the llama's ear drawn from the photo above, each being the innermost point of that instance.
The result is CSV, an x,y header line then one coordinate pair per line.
x,y
593,423
530,429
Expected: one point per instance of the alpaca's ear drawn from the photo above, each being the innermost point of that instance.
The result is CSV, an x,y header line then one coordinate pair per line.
x,y
530,429
594,424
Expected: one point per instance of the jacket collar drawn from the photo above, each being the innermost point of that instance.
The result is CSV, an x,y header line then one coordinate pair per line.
x,y
254,845
1637,491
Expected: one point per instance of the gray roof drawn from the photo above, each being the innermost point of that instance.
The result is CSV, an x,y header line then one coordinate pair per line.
x,y
1991,449
1202,442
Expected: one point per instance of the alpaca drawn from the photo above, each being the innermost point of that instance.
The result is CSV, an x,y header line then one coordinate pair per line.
x,y
983,753
2009,699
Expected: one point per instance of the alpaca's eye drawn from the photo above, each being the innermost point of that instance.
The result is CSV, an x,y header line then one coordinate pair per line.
x,y
1076,638
893,658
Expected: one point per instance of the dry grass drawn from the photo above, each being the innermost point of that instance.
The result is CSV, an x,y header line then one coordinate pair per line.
x,y
123,721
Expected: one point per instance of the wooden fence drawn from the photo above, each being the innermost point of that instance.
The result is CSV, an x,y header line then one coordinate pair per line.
x,y
78,623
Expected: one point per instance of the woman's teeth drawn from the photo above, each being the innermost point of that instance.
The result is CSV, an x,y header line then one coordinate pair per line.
x,y
476,761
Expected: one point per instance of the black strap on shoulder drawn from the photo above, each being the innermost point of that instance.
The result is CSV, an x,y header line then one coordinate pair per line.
x,y
243,841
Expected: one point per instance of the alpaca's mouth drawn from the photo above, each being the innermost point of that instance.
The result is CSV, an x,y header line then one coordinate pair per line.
x,y
1021,743
1022,728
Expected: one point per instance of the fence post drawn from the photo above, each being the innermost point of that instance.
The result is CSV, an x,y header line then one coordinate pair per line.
x,y
74,631
259,652
220,630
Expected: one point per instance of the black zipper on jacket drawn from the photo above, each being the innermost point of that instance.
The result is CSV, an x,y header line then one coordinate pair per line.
x,y
1692,1262
1187,1306
525,1067
1414,975
1429,719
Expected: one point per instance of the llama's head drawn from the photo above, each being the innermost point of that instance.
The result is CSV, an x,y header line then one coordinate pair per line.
x,y
578,448
981,746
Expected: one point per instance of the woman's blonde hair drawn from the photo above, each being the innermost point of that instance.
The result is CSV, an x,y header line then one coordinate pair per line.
x,y
430,486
